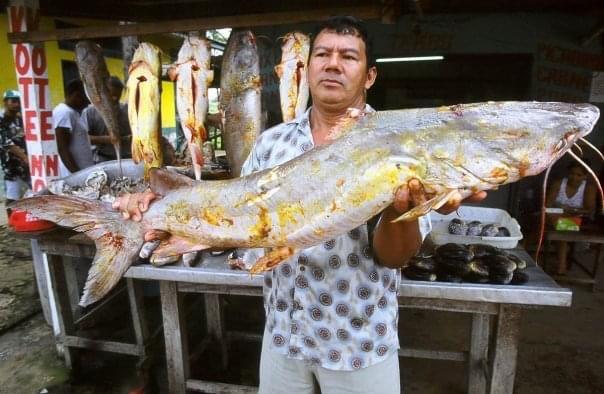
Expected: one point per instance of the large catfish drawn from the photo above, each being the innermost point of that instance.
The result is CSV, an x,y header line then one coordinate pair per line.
x,y
144,106
333,188
193,76
240,98
95,76
292,73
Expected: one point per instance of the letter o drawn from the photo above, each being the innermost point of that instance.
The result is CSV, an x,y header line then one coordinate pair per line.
x,y
22,59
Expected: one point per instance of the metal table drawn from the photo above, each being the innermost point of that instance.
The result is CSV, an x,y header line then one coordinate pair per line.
x,y
491,368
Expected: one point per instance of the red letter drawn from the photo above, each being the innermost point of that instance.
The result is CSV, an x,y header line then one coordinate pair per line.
x,y
42,83
33,19
35,165
46,126
38,60
52,165
22,59
39,184
30,126
25,82
16,18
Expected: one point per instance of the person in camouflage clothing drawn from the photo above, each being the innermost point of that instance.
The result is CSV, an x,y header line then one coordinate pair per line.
x,y
13,153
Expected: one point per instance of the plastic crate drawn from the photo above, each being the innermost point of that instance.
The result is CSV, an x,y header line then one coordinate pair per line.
x,y
440,227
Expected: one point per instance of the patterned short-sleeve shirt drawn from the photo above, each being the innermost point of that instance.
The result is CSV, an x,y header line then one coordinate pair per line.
x,y
330,304
11,133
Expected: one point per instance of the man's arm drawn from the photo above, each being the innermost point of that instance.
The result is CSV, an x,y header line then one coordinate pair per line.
x,y
63,136
100,140
395,243
19,153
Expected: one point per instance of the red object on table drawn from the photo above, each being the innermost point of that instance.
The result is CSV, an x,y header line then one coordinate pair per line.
x,y
22,221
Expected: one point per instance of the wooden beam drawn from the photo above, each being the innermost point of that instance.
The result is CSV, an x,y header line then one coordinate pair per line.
x,y
234,21
593,35
105,346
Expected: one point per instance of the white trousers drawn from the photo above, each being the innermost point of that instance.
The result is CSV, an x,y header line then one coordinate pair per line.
x,y
15,189
279,374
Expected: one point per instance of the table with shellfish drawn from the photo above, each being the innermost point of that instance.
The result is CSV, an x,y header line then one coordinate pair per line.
x,y
467,265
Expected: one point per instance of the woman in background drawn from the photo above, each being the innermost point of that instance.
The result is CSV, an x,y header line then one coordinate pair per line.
x,y
577,197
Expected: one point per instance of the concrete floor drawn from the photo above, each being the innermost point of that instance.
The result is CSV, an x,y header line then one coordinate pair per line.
x,y
561,351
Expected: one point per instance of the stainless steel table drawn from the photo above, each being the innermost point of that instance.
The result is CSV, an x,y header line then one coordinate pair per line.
x,y
491,368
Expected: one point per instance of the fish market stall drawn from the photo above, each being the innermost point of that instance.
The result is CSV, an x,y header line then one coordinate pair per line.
x,y
491,358
288,205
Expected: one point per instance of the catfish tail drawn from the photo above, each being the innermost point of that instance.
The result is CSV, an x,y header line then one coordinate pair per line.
x,y
117,240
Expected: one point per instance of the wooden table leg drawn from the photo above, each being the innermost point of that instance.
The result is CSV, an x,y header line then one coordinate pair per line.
x,y
63,305
139,320
478,355
505,352
596,266
177,355
215,324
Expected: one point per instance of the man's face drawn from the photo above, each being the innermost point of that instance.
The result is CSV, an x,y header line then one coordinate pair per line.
x,y
79,100
115,93
12,105
337,70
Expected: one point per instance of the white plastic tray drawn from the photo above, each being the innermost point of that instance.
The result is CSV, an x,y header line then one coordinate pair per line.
x,y
440,227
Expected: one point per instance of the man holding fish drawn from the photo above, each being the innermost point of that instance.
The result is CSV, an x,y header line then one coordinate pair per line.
x,y
332,309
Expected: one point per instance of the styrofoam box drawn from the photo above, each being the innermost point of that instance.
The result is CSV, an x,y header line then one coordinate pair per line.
x,y
440,227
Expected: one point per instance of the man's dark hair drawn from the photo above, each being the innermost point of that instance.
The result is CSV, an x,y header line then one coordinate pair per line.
x,y
74,86
116,82
347,25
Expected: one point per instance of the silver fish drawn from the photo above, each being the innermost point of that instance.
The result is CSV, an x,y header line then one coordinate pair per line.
x,y
332,188
95,76
240,98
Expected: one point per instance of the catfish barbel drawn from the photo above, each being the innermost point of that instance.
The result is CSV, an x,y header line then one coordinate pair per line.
x,y
333,188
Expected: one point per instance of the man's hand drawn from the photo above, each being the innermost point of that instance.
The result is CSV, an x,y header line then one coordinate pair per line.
x,y
413,194
132,206
395,243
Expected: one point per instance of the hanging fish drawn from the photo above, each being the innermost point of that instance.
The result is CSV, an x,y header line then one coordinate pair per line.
x,y
193,76
292,73
95,76
144,95
240,98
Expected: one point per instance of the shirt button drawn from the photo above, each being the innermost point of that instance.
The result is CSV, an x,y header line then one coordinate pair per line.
x,y
302,269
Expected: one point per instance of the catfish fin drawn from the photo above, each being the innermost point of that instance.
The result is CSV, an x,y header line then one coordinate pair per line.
x,y
209,76
272,259
117,240
432,204
138,154
174,246
162,181
173,72
345,124
279,70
